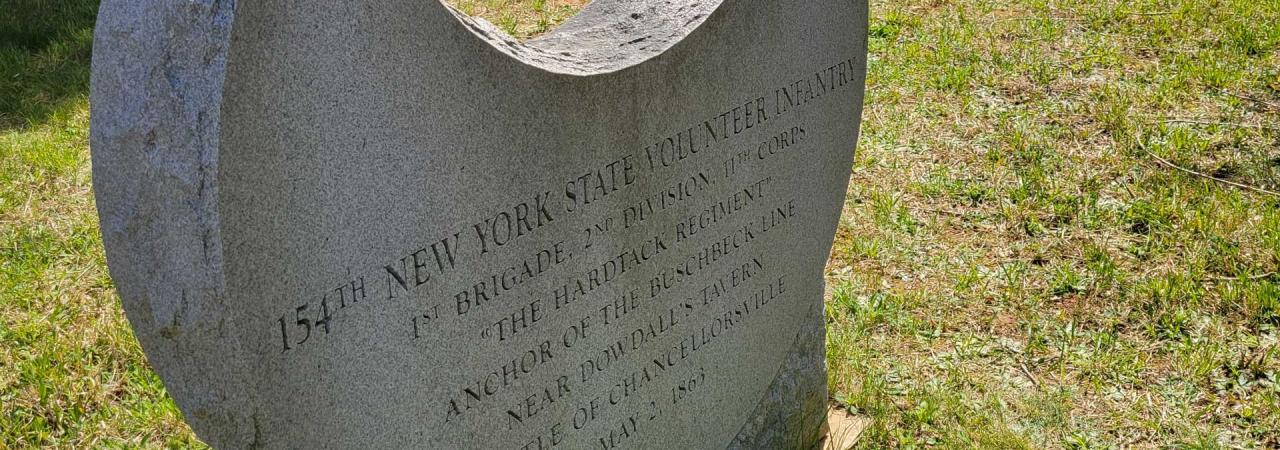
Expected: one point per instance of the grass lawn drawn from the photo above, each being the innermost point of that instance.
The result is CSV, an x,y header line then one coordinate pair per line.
x,y
1019,263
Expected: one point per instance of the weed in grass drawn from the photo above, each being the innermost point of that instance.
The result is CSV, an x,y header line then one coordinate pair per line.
x,y
522,19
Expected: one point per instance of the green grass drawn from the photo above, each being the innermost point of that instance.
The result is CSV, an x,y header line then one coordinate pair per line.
x,y
71,372
521,18
1014,268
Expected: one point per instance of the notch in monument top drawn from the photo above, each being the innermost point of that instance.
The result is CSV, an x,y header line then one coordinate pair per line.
x,y
603,37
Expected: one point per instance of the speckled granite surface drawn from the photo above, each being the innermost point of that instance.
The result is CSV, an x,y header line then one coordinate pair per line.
x,y
377,224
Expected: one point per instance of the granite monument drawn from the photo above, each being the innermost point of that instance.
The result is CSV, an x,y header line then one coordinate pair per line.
x,y
350,224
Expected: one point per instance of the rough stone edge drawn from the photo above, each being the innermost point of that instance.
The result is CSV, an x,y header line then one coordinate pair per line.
x,y
793,410
156,93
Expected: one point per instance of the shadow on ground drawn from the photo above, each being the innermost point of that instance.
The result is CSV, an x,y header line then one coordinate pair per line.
x,y
44,58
